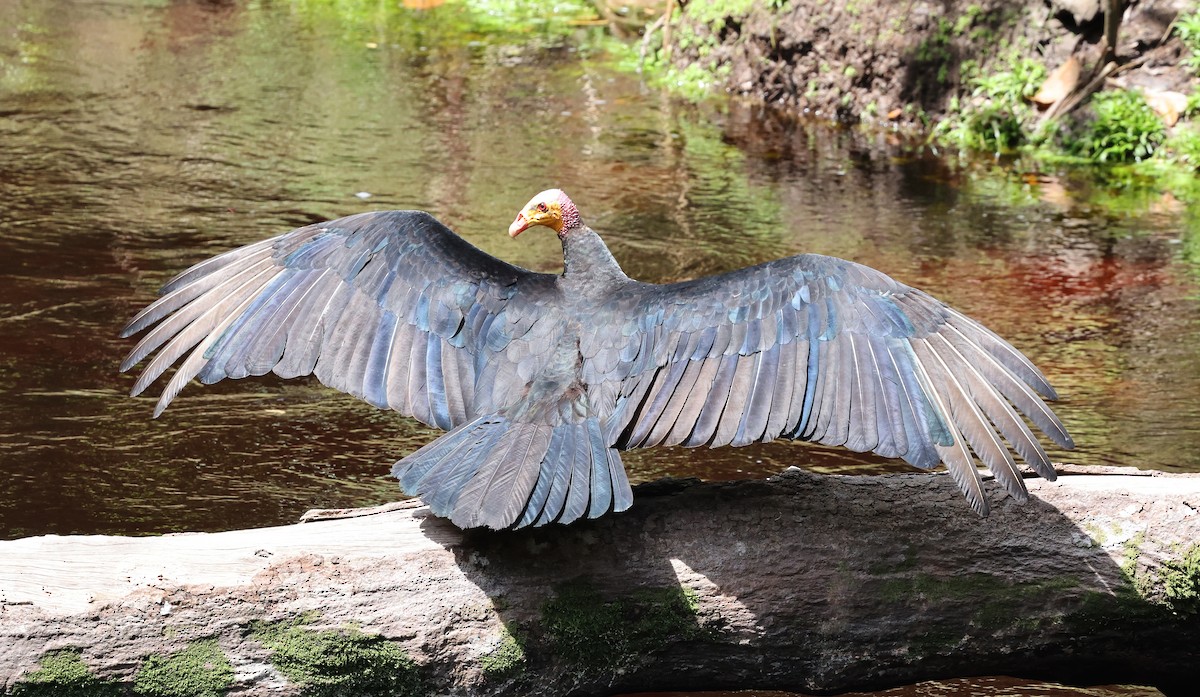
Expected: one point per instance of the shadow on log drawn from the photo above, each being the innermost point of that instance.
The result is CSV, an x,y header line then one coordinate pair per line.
x,y
803,582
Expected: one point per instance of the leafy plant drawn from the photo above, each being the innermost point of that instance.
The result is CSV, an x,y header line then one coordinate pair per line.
x,y
712,12
997,116
1187,28
1125,128
1184,146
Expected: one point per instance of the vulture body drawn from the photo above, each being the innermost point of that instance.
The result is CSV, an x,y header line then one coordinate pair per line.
x,y
541,379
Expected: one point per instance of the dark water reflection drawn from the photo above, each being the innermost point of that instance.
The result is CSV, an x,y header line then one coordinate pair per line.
x,y
141,137
970,687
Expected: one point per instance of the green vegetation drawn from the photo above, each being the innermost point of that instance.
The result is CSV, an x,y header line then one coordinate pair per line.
x,y
694,82
1168,597
200,670
338,662
936,52
1125,128
1174,588
64,674
997,116
715,12
996,611
1116,127
1187,28
455,23
507,658
1183,146
697,28
599,633
1181,583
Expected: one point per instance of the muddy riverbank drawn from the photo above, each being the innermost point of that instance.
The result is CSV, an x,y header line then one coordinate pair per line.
x,y
908,62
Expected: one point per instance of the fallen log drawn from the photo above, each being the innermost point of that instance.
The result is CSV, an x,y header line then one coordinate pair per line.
x,y
804,582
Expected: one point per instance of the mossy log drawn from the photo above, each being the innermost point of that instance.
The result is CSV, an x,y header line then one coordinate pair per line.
x,y
805,582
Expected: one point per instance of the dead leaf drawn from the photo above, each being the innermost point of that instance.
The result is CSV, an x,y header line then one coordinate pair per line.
x,y
1060,83
1168,105
894,114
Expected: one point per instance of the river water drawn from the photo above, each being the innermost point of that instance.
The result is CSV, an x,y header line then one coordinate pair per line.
x,y
139,137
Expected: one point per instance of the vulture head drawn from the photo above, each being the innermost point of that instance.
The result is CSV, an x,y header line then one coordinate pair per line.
x,y
551,208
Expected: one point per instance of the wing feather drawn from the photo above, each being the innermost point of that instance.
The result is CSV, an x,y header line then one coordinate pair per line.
x,y
739,395
958,460
863,425
762,389
576,502
671,412
196,332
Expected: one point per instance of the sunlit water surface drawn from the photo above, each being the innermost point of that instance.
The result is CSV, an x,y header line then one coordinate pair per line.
x,y
139,138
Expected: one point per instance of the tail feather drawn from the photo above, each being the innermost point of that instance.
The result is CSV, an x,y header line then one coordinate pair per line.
x,y
561,484
545,480
495,496
602,483
438,470
580,464
496,473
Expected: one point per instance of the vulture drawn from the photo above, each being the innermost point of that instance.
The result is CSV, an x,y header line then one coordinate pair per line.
x,y
540,380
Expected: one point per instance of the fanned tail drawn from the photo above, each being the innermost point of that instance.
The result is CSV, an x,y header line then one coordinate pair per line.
x,y
496,473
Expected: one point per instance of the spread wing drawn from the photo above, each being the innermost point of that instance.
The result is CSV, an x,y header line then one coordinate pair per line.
x,y
821,349
391,307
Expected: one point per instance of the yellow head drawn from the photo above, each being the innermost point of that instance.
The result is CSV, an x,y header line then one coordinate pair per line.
x,y
551,208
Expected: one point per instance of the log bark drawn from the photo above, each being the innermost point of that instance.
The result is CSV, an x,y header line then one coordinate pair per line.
x,y
803,582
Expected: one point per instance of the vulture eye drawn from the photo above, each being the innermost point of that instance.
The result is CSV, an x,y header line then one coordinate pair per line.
x,y
542,208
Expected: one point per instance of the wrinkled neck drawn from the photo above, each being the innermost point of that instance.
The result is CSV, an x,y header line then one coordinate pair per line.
x,y
586,259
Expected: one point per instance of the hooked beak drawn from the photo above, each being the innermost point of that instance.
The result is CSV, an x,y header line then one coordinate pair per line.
x,y
521,224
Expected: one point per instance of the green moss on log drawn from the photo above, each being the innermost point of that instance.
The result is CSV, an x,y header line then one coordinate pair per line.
x,y
200,670
338,662
507,659
601,633
1162,599
1181,582
64,674
991,598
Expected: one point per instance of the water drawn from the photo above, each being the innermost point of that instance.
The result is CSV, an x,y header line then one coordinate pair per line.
x,y
141,137
964,687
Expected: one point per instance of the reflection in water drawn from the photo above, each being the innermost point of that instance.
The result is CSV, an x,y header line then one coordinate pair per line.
x,y
970,687
143,137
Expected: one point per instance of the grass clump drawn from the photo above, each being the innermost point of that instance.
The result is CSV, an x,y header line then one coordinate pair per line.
x,y
715,12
